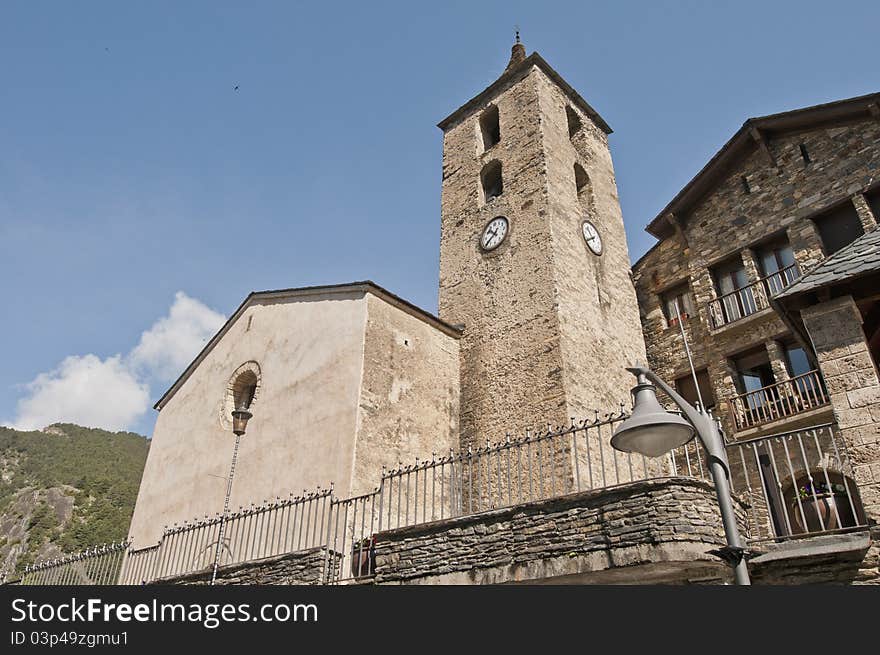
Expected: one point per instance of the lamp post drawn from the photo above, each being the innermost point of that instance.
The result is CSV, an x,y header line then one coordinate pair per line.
x,y
652,431
240,418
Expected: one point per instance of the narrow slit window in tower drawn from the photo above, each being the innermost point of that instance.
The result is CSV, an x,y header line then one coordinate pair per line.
x,y
581,183
574,121
805,155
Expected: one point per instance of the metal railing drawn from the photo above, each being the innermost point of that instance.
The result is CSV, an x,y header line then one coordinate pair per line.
x,y
252,533
797,483
745,301
776,282
779,400
96,566
538,466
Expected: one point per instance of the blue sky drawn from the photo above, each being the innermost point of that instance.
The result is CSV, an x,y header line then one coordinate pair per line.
x,y
132,170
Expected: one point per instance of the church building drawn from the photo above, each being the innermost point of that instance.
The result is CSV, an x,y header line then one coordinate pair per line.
x,y
535,297
340,434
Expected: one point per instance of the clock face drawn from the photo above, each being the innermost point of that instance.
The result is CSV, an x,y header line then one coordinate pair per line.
x,y
494,233
591,236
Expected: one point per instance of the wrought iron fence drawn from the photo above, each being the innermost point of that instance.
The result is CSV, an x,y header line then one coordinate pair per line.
x,y
537,466
350,538
798,483
96,566
273,528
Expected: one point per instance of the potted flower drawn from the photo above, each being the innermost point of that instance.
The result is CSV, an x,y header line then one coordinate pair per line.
x,y
363,557
819,499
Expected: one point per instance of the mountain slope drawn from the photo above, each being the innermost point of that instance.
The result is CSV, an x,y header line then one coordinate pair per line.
x,y
64,489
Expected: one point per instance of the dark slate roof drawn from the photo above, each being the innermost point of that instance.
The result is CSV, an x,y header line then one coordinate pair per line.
x,y
860,257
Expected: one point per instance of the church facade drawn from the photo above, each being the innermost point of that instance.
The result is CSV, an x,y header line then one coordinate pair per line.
x,y
535,296
387,445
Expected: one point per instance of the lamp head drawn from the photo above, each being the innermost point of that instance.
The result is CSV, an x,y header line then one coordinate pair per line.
x,y
240,418
650,430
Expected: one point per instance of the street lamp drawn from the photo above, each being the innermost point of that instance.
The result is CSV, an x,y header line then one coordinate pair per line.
x,y
652,431
240,418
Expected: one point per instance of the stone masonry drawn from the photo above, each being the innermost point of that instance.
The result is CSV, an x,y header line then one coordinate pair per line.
x,y
541,313
727,222
662,529
656,532
852,380
305,567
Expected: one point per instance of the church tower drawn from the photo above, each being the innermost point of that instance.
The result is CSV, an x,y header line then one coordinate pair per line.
x,y
533,256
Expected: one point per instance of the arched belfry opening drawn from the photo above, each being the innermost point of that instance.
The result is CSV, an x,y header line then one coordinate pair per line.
x,y
584,188
490,127
491,180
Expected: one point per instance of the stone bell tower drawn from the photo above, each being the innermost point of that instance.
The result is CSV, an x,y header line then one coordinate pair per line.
x,y
533,256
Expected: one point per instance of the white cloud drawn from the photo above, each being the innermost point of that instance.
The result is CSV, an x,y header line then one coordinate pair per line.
x,y
174,340
87,391
113,393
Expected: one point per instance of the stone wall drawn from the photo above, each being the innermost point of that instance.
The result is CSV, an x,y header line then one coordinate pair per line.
x,y
542,314
849,558
657,530
730,223
835,328
654,532
305,567
511,362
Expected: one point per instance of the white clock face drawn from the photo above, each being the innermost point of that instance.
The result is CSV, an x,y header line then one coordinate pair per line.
x,y
591,236
494,233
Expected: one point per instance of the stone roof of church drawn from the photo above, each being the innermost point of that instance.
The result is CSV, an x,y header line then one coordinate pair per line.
x,y
861,257
365,286
747,139
515,71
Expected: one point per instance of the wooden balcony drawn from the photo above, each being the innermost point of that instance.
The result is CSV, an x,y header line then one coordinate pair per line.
x,y
777,401
739,304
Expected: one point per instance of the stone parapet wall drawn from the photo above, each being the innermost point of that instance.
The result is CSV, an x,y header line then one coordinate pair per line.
x,y
660,525
305,567
652,532
849,558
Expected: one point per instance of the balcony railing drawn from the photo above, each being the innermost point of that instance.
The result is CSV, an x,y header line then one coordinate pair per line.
x,y
777,281
736,305
780,400
797,483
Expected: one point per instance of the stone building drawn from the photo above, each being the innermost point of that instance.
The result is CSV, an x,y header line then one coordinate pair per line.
x,y
763,272
341,381
348,379
473,447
